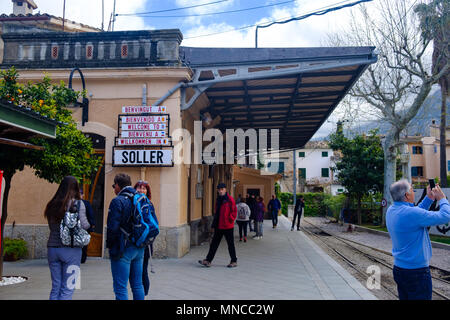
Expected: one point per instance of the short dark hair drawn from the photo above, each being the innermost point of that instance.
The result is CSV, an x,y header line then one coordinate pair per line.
x,y
123,180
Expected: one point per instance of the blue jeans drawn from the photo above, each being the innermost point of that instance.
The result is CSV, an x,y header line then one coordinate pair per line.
x,y
64,266
413,284
129,267
274,217
259,228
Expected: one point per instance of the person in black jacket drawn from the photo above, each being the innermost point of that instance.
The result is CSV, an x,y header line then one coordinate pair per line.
x,y
126,259
299,207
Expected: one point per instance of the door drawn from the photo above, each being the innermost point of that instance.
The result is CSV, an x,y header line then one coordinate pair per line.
x,y
94,193
255,192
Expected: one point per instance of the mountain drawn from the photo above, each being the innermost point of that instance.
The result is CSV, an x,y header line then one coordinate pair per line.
x,y
419,125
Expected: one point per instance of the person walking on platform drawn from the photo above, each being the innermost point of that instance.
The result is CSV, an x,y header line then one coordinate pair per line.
x,y
259,218
252,205
126,259
411,246
299,208
223,225
243,216
274,207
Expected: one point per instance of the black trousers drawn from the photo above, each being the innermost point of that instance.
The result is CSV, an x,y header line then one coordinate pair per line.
x,y
217,237
145,279
297,215
242,227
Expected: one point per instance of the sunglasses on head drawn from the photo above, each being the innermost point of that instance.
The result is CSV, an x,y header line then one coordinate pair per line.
x,y
142,181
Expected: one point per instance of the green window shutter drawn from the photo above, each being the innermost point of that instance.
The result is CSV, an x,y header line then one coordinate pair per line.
x,y
302,173
301,154
281,167
324,154
325,172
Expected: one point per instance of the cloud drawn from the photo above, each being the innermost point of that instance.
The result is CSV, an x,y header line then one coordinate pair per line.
x,y
89,12
309,32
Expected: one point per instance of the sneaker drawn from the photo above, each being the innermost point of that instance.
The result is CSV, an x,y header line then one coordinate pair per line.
x,y
245,239
298,229
240,240
205,263
292,229
232,265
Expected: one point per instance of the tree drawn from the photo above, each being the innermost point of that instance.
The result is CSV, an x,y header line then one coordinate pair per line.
x,y
435,25
360,169
395,87
71,153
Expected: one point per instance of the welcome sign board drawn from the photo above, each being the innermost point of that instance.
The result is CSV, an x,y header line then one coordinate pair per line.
x,y
137,157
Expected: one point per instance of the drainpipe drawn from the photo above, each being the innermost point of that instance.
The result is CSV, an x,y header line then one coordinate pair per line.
x,y
169,93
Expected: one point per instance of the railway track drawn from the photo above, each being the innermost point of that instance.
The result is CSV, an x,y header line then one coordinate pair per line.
x,y
388,282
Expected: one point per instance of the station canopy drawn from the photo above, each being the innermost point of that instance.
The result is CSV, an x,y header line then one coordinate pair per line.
x,y
293,90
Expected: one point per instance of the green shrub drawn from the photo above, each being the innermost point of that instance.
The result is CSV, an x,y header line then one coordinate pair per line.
x,y
14,249
334,204
314,204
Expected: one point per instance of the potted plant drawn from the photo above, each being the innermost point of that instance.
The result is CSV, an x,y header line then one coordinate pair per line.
x,y
14,249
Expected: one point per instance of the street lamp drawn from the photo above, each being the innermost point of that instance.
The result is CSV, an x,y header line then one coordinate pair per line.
x,y
85,102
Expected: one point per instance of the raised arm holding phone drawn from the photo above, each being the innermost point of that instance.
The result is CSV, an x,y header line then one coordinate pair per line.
x,y
411,246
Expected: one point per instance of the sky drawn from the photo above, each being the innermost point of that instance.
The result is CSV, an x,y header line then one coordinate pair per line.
x,y
197,23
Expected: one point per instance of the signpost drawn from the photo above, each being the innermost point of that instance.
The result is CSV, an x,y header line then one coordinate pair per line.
x,y
141,127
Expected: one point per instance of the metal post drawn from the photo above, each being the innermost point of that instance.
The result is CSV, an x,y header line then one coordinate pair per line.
x,y
295,177
114,15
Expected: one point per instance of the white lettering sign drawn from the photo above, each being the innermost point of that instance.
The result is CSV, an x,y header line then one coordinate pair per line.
x,y
144,109
143,134
143,157
143,119
142,142
144,126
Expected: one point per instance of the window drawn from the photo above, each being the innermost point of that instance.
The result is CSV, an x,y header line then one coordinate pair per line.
x,y
340,190
324,154
448,165
19,3
417,171
280,166
301,154
435,148
417,150
325,172
302,173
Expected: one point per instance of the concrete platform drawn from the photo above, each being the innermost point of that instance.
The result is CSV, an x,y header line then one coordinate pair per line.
x,y
284,265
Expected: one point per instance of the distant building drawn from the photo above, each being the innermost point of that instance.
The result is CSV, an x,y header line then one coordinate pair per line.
x,y
424,154
314,165
24,21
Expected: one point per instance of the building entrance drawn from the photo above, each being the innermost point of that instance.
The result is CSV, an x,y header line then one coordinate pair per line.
x,y
94,192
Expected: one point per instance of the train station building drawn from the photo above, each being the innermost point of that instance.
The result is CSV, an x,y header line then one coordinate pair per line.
x,y
148,96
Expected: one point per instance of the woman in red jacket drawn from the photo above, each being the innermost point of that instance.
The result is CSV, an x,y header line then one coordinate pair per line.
x,y
223,225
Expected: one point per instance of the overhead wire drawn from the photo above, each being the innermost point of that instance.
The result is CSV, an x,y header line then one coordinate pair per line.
x,y
173,9
254,25
215,13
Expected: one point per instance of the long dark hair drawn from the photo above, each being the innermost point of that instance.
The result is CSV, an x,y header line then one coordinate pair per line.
x,y
68,190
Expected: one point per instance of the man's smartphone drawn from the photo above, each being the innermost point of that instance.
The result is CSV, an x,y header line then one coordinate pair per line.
x,y
432,185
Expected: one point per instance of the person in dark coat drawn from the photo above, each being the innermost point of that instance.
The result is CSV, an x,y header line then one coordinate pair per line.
x,y
273,207
223,225
299,208
252,204
126,259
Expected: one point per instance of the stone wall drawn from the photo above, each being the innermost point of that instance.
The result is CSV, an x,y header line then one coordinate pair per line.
x,y
91,49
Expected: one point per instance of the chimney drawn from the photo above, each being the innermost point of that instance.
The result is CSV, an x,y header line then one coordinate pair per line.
x,y
23,7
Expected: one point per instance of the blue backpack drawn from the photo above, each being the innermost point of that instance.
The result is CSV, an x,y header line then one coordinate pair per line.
x,y
142,221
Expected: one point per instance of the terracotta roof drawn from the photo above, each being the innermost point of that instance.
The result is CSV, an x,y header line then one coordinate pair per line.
x,y
39,16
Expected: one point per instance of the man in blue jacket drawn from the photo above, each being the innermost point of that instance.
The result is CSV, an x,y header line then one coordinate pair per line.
x,y
273,207
411,246
126,258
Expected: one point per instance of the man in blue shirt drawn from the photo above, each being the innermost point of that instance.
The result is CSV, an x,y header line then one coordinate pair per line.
x,y
411,246
274,206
